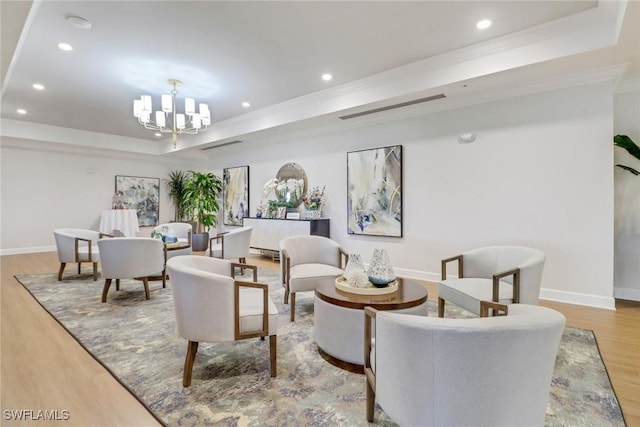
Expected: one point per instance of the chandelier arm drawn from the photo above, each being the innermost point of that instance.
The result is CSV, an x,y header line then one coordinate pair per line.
x,y
170,120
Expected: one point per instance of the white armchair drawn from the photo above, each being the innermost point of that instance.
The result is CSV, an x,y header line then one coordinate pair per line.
x,y
231,245
211,306
182,231
77,245
307,261
131,258
493,371
503,274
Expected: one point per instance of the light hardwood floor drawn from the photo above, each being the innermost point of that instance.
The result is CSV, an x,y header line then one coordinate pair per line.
x,y
44,368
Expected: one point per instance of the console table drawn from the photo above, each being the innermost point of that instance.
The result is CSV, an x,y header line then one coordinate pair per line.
x,y
268,232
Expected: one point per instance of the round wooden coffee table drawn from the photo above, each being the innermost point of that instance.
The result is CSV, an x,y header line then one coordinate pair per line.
x,y
338,323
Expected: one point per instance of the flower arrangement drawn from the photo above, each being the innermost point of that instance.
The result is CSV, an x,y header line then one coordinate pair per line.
x,y
313,199
284,190
269,188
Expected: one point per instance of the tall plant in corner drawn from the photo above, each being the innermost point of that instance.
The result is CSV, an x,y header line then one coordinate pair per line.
x,y
632,148
175,188
201,202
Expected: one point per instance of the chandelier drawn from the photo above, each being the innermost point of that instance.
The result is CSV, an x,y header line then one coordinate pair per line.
x,y
168,120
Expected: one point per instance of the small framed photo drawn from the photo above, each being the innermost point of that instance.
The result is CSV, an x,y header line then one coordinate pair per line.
x,y
293,215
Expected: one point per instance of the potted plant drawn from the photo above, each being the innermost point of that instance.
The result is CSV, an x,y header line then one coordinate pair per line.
x,y
175,188
632,148
200,198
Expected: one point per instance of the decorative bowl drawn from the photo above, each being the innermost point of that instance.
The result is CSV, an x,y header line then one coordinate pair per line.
x,y
380,283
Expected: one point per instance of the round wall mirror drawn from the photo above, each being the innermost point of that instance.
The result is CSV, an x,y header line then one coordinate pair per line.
x,y
292,184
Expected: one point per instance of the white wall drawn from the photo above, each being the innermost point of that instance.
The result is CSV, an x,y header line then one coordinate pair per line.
x,y
47,186
627,199
539,174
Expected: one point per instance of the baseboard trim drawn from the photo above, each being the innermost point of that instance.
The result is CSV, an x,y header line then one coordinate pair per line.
x,y
577,298
416,274
626,293
31,250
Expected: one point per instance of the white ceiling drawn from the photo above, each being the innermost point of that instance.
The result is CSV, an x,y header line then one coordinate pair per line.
x,y
273,53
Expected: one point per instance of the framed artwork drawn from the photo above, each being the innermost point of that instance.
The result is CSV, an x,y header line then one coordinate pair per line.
x,y
374,191
141,194
235,195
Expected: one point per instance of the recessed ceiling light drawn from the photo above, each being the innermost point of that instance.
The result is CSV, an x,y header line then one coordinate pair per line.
x,y
38,86
326,77
65,46
78,22
484,24
246,104
21,111
158,134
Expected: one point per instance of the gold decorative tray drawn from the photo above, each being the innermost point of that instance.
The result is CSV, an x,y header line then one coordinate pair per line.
x,y
341,284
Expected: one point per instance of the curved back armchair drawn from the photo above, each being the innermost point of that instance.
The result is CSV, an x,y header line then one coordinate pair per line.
x,y
307,261
492,371
210,306
131,258
77,245
502,274
233,244
182,231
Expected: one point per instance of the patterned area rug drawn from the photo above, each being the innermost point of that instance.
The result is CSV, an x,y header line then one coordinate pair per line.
x,y
135,339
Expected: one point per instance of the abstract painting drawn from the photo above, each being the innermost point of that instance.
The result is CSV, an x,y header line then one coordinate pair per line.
x,y
374,191
141,194
235,194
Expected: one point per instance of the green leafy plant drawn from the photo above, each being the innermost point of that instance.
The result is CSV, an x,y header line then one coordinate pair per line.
x,y
175,186
201,198
632,148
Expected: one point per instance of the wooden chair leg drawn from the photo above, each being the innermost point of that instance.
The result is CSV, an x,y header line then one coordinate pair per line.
x,y
62,265
440,307
293,306
164,278
192,349
95,271
79,264
107,284
117,284
371,400
272,354
286,295
145,281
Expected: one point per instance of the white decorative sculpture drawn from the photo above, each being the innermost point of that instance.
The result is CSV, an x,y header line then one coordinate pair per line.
x,y
380,270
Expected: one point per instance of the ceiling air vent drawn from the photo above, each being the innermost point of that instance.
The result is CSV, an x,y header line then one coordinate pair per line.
x,y
222,145
394,106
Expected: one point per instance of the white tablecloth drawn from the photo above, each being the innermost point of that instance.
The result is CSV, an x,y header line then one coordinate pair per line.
x,y
122,220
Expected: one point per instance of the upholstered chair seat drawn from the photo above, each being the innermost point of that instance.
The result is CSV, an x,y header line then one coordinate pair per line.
x,y
483,371
504,274
307,276
308,261
211,306
77,245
